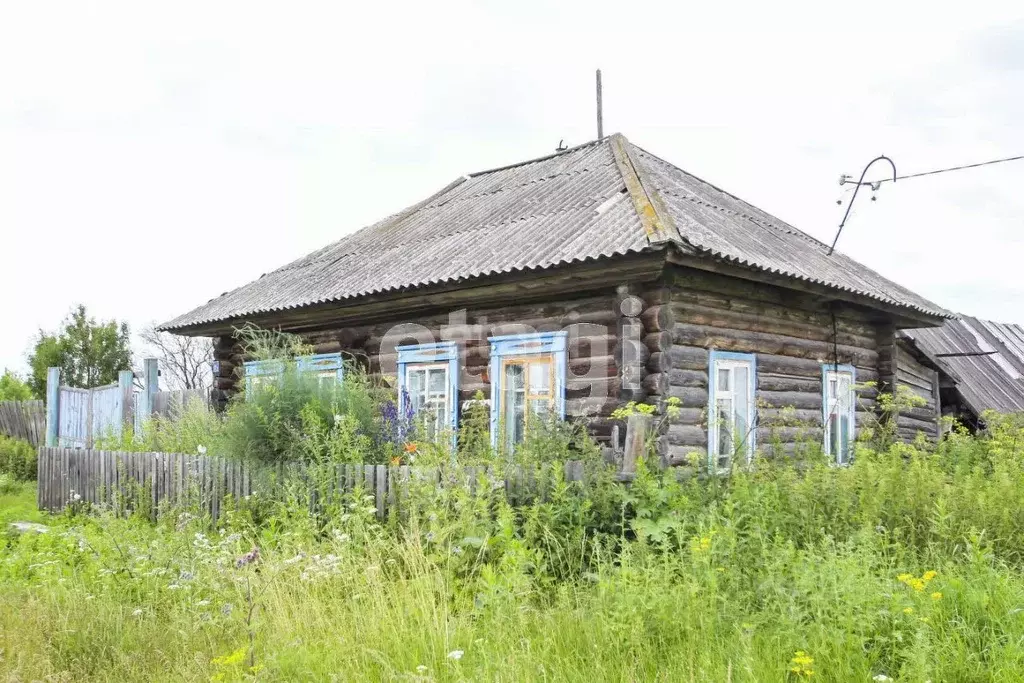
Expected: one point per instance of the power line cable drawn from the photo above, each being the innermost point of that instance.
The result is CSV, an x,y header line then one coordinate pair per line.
x,y
946,170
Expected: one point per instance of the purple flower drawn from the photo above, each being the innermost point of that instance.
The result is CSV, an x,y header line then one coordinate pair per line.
x,y
249,558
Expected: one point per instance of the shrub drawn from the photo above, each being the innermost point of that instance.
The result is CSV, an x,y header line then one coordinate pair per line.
x,y
17,459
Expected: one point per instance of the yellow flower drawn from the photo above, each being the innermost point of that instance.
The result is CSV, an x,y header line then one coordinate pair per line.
x,y
929,575
801,663
936,595
908,610
904,577
720,570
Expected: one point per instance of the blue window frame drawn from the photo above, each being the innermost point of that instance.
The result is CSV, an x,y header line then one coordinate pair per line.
x,y
839,406
328,367
732,411
428,378
527,373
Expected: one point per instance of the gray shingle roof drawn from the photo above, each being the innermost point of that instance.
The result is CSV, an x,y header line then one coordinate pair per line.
x,y
593,201
984,359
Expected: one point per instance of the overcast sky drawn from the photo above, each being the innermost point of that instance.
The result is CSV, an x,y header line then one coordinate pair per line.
x,y
154,155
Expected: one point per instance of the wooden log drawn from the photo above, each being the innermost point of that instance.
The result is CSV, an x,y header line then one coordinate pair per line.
x,y
773,319
686,435
692,397
593,366
591,406
658,318
769,382
689,416
685,456
763,342
791,399
688,378
766,435
658,341
631,350
659,362
689,357
788,417
656,384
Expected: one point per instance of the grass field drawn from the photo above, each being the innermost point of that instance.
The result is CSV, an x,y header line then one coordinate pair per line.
x,y
905,565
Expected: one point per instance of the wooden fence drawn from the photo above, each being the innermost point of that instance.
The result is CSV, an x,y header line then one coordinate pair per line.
x,y
24,420
68,475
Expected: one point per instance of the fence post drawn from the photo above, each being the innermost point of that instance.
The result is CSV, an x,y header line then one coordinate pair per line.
x,y
636,440
151,380
52,406
124,383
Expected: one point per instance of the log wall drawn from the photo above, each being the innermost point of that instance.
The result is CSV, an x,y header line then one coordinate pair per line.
x,y
790,333
923,381
595,360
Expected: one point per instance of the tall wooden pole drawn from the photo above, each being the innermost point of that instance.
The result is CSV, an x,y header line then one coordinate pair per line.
x,y
600,112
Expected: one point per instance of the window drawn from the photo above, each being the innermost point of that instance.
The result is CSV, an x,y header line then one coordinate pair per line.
x,y
428,377
527,381
731,407
838,400
327,367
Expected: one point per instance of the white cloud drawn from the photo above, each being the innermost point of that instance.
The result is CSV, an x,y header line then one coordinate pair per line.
x,y
152,157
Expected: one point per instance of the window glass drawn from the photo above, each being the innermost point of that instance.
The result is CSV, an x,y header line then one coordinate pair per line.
x,y
839,414
731,431
514,401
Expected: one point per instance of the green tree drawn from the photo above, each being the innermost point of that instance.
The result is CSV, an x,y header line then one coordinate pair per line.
x,y
13,388
88,353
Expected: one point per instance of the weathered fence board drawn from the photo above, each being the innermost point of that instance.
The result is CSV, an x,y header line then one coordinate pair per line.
x,y
25,420
74,475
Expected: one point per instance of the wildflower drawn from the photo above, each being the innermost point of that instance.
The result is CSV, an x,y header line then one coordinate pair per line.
x,y
881,678
456,654
720,570
457,550
201,450
936,595
801,663
137,613
411,447
421,668
249,558
908,610
396,461
929,575
186,576
226,609
173,587
202,603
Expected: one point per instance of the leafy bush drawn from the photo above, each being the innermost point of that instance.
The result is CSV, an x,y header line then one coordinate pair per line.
x,y
17,459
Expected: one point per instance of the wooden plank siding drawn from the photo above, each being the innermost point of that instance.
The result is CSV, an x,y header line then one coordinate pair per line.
x,y
923,381
25,420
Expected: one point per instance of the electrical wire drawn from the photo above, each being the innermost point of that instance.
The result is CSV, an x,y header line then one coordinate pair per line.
x,y
945,170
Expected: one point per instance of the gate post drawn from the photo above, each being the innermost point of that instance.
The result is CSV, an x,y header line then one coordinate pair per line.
x,y
52,406
124,383
151,379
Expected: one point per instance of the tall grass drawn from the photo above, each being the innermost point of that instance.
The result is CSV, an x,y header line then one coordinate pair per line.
x,y
906,564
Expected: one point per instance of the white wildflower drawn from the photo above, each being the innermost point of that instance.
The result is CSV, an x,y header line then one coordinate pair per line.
x,y
202,603
881,678
173,587
293,560
201,450
422,668
137,613
456,654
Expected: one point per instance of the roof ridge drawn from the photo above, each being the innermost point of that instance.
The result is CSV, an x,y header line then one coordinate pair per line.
x,y
654,216
784,227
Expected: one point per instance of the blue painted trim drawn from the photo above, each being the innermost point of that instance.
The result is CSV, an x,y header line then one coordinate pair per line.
x,y
555,344
432,354
261,368
320,362
841,369
751,359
